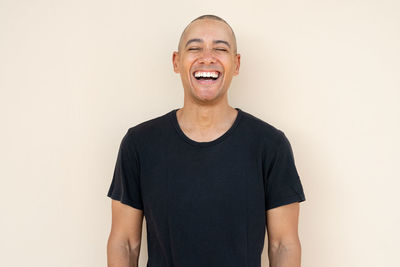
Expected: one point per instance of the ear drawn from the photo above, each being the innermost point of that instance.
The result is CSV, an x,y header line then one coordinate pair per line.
x,y
175,61
237,64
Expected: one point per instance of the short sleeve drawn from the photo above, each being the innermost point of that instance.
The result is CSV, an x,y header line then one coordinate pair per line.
x,y
282,182
125,185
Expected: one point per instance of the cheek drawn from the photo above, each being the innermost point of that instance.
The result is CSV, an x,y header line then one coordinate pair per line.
x,y
228,62
187,64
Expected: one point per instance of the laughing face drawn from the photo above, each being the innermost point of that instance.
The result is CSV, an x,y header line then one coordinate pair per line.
x,y
207,60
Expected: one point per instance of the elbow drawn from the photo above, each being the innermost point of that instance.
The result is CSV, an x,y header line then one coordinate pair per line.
x,y
133,247
284,245
122,251
285,253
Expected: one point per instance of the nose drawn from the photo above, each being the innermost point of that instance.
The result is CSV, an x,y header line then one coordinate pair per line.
x,y
207,57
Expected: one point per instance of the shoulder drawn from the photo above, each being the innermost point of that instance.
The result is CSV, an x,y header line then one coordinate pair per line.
x,y
258,128
151,128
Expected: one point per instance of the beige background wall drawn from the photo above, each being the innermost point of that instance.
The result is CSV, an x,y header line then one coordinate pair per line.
x,y
75,75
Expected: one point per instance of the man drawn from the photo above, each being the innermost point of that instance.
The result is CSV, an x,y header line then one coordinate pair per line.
x,y
208,177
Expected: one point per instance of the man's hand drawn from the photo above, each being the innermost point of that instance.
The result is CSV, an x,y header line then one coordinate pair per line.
x,y
284,248
123,245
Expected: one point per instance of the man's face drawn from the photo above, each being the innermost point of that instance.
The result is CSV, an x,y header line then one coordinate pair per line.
x,y
207,49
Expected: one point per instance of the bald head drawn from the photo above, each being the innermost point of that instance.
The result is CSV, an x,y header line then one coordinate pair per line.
x,y
209,17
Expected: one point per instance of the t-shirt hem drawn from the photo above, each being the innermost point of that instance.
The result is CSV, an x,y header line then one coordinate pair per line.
x,y
287,200
125,201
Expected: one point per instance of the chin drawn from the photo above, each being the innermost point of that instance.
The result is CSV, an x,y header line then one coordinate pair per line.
x,y
205,95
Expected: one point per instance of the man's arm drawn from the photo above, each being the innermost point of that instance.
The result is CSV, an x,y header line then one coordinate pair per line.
x,y
284,248
123,247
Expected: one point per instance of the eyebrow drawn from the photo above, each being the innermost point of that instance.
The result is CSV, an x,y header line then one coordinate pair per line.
x,y
201,41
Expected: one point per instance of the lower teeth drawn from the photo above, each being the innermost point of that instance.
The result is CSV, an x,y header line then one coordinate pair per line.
x,y
207,79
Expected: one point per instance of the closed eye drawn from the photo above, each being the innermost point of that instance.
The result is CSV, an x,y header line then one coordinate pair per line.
x,y
218,49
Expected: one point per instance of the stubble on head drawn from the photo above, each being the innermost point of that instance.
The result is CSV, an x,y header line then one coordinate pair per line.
x,y
210,17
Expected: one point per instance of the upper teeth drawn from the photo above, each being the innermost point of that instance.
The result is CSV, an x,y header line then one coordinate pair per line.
x,y
206,74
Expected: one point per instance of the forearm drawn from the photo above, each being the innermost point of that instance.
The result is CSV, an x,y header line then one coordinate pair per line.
x,y
285,255
122,255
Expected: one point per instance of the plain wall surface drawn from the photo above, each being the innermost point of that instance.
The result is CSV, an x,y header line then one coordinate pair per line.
x,y
75,75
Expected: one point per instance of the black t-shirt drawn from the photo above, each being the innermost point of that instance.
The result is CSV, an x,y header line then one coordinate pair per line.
x,y
205,202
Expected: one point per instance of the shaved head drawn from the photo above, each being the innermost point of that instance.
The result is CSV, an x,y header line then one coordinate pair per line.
x,y
212,17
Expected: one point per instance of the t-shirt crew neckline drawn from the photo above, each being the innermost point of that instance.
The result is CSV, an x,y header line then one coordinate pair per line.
x,y
175,123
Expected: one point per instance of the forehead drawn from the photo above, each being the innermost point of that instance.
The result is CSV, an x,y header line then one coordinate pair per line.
x,y
208,29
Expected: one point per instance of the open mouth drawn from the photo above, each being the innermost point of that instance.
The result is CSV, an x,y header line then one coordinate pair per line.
x,y
206,76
